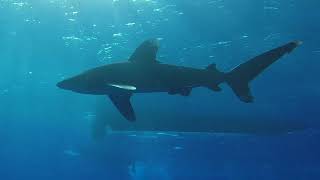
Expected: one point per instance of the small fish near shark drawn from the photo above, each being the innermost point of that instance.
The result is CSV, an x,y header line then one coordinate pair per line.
x,y
143,73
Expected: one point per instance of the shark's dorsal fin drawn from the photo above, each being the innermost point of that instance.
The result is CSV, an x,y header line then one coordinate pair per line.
x,y
146,53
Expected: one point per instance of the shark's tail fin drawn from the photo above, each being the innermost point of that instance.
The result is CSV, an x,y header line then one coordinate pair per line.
x,y
240,77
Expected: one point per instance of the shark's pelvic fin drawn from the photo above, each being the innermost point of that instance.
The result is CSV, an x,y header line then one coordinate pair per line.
x,y
146,53
240,77
186,91
122,102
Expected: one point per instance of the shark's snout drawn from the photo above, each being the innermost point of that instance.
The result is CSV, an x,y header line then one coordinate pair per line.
x,y
63,85
76,84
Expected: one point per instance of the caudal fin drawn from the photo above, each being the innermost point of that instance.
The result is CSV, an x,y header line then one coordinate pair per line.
x,y
240,77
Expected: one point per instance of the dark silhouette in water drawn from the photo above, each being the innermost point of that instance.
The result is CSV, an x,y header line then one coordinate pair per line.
x,y
144,74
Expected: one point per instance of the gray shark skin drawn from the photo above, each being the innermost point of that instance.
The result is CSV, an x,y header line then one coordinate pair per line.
x,y
142,73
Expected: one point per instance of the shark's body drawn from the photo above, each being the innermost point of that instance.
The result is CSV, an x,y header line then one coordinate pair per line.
x,y
144,74
131,77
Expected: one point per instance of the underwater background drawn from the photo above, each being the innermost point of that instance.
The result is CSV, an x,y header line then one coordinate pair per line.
x,y
45,131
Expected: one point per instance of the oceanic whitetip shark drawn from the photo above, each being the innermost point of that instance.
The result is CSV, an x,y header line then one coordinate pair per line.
x,y
143,73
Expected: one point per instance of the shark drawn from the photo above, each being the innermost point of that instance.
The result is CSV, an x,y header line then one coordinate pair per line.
x,y
143,73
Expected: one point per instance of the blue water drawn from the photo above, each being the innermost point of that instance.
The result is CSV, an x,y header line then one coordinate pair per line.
x,y
45,132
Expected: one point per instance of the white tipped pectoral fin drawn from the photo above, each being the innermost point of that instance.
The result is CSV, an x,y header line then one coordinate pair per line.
x,y
125,87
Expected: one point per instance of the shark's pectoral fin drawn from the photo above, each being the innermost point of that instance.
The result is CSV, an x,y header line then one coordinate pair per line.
x,y
122,102
182,91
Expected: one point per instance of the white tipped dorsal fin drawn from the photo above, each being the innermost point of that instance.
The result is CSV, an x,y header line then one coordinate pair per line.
x,y
123,86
